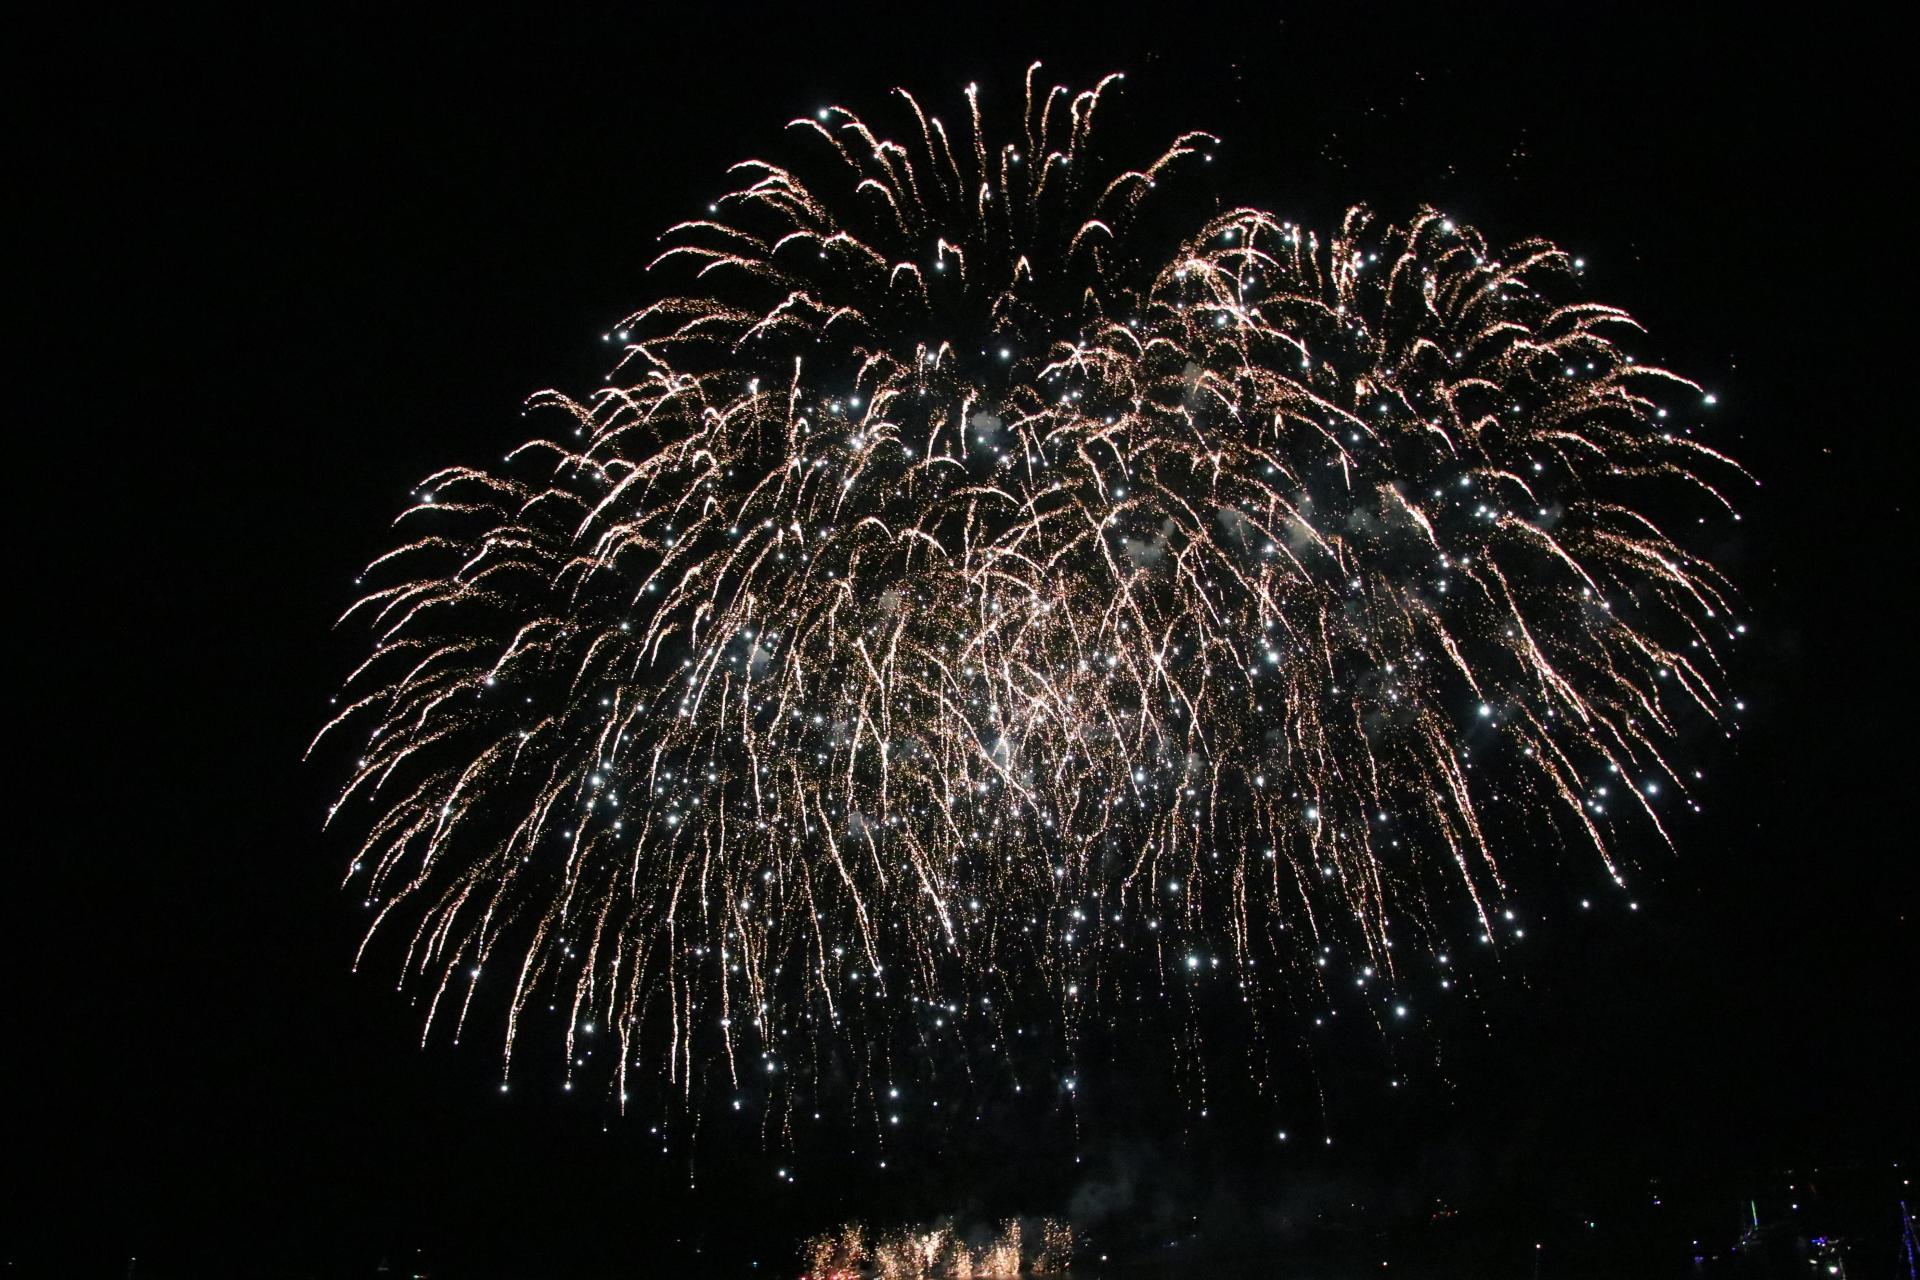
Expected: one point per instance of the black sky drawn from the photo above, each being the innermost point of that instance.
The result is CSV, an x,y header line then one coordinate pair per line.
x,y
279,268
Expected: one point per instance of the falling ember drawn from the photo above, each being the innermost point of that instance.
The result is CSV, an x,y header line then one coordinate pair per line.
x,y
963,595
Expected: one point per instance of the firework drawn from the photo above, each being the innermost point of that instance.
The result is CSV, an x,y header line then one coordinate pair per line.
x,y
939,1253
982,585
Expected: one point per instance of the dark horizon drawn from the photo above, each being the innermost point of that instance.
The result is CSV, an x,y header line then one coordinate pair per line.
x,y
297,263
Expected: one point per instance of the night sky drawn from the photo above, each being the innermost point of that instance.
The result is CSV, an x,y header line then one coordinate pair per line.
x,y
291,265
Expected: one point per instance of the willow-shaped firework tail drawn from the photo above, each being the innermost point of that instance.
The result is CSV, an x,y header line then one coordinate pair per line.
x,y
967,590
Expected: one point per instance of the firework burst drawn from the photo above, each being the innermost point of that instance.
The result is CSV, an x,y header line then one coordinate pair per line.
x,y
939,1253
980,584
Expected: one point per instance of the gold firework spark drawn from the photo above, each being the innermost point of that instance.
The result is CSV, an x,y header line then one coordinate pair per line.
x,y
939,1253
